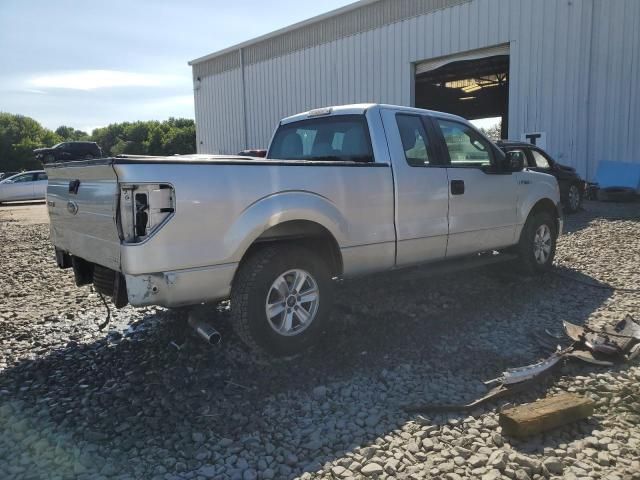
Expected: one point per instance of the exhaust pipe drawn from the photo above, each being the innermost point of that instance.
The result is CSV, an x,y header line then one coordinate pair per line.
x,y
205,330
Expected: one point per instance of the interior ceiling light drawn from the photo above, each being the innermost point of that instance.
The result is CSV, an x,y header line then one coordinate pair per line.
x,y
472,88
474,84
467,98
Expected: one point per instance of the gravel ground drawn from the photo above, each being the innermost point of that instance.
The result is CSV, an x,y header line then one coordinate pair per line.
x,y
125,403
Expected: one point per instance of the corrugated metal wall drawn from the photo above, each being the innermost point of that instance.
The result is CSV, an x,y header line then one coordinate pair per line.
x,y
574,74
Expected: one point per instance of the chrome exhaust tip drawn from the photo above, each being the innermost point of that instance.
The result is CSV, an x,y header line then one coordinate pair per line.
x,y
205,330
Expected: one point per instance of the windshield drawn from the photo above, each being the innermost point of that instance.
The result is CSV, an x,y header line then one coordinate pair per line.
x,y
340,138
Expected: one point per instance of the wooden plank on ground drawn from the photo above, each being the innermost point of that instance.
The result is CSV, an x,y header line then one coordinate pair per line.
x,y
545,414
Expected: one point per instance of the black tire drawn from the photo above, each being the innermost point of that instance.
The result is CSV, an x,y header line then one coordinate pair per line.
x,y
527,246
572,206
252,285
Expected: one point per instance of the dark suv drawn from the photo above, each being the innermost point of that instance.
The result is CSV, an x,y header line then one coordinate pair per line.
x,y
69,151
572,187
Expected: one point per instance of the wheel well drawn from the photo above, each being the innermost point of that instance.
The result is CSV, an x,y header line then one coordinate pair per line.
x,y
309,234
546,205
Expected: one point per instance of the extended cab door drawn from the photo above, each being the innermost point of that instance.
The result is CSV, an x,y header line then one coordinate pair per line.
x,y
421,193
482,197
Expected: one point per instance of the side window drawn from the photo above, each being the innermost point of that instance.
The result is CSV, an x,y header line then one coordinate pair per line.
x,y
41,176
27,177
540,160
466,147
415,142
522,154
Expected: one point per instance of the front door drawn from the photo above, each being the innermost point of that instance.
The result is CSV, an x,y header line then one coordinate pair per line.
x,y
421,195
20,188
482,198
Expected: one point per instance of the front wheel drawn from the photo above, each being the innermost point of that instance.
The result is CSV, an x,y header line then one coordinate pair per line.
x,y
280,299
537,246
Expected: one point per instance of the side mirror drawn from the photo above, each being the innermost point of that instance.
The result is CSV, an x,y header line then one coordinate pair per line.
x,y
514,161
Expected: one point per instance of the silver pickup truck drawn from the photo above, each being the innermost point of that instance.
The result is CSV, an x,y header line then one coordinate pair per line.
x,y
343,191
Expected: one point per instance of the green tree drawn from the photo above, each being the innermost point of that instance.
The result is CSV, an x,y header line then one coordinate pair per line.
x,y
494,132
19,136
70,134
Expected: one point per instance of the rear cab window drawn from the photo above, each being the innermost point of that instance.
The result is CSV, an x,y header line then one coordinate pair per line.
x,y
336,138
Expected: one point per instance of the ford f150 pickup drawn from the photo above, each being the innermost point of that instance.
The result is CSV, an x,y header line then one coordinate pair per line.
x,y
343,191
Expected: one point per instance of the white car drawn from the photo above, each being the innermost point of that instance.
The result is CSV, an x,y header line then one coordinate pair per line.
x,y
24,186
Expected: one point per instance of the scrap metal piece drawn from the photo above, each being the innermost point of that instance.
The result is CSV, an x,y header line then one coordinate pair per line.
x,y
497,392
528,372
595,341
574,332
512,381
627,327
588,357
633,353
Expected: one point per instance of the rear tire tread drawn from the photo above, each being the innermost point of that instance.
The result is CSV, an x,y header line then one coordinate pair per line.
x,y
243,284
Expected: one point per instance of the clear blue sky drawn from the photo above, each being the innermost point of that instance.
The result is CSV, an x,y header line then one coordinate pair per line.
x,y
90,63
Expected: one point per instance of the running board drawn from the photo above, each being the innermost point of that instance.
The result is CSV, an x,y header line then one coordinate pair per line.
x,y
442,267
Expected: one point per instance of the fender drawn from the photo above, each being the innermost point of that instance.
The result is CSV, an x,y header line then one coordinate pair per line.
x,y
283,207
534,186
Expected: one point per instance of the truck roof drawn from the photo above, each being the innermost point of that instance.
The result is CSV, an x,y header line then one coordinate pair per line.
x,y
361,109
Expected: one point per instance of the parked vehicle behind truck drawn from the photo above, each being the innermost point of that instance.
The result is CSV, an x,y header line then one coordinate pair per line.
x,y
343,191
572,187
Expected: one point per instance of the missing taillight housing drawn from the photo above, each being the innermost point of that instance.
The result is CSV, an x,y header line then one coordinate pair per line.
x,y
144,208
142,217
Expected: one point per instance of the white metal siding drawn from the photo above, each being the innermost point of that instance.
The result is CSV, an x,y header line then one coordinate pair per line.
x,y
574,75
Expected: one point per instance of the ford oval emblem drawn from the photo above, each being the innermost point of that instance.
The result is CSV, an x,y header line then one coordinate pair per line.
x,y
72,207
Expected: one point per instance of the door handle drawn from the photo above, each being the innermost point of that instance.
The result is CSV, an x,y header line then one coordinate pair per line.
x,y
457,187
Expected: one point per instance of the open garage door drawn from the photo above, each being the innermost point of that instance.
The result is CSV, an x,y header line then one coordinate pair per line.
x,y
474,85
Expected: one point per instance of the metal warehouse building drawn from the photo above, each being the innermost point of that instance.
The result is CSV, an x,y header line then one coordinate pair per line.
x,y
564,72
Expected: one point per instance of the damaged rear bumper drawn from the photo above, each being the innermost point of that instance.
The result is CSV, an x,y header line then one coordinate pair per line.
x,y
181,287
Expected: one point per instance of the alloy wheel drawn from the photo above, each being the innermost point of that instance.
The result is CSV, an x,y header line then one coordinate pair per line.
x,y
542,244
292,302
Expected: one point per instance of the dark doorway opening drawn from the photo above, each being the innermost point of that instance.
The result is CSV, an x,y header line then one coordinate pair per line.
x,y
474,89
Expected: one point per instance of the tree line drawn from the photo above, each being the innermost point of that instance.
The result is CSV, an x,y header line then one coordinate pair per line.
x,y
20,135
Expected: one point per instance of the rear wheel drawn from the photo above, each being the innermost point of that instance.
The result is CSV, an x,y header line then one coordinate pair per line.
x,y
537,246
574,199
280,299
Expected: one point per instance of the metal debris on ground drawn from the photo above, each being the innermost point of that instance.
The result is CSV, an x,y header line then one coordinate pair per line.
x,y
620,342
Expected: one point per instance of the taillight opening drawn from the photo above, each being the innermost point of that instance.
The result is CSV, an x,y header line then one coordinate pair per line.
x,y
144,209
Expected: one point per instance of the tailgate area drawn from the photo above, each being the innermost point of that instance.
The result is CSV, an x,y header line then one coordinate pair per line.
x,y
82,199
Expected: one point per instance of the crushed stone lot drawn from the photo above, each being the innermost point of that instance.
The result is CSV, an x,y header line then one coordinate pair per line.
x,y
76,402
